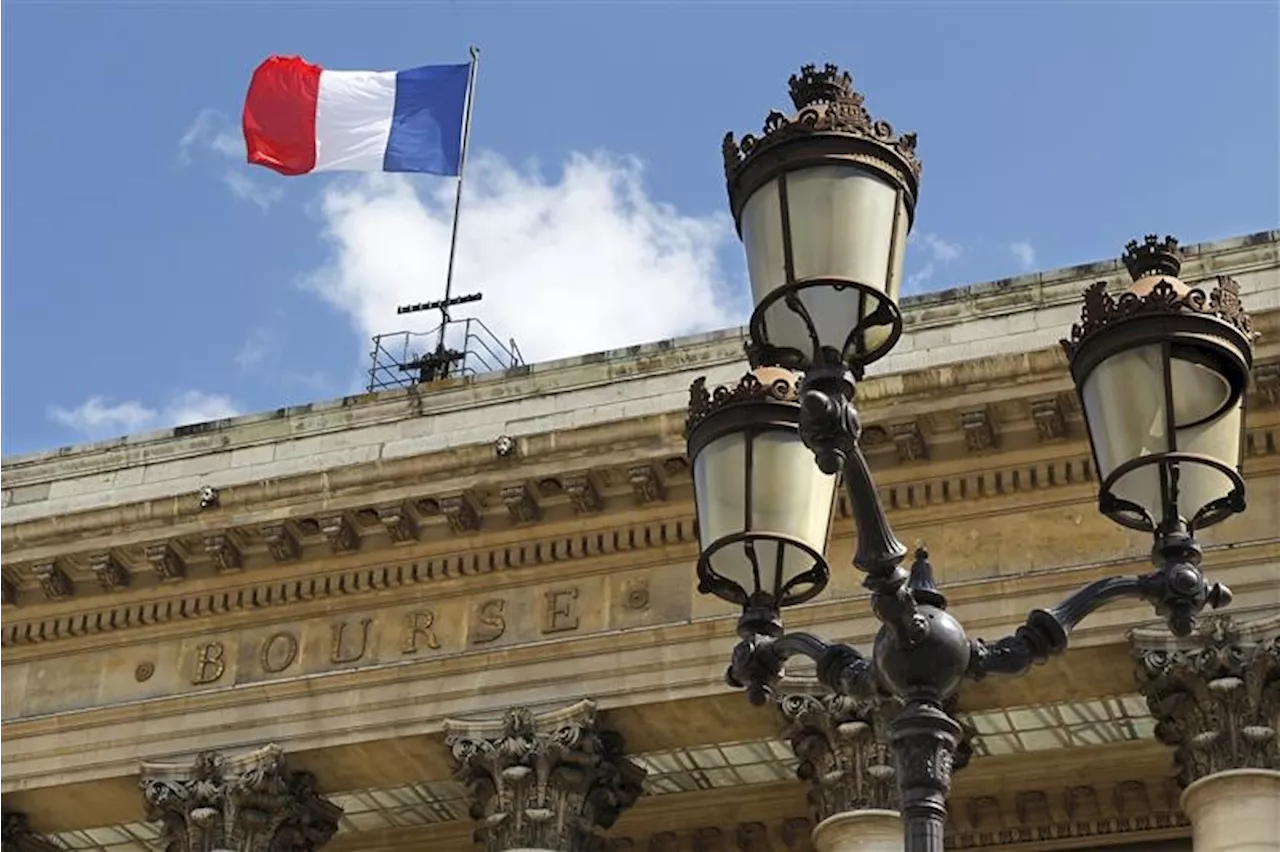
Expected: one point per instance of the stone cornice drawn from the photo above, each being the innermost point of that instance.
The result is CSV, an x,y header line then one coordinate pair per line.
x,y
923,456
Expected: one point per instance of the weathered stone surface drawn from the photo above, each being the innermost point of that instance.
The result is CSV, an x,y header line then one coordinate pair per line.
x,y
543,782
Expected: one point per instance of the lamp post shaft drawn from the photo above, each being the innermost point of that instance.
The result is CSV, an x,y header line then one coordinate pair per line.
x,y
924,742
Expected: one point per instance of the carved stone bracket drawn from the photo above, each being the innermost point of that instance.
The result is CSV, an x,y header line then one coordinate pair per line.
x,y
281,542
979,430
250,803
844,751
909,441
543,781
340,534
583,494
110,572
18,836
1266,386
1050,420
520,503
10,591
1215,695
459,514
168,563
399,524
53,581
223,551
646,485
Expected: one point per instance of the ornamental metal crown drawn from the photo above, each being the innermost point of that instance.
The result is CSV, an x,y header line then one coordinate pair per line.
x,y
779,386
1152,257
825,101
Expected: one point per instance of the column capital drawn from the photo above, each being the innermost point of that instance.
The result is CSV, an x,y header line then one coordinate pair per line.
x,y
17,835
844,751
543,781
1215,695
247,803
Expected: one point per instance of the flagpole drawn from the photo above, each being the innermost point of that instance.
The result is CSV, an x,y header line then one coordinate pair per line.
x,y
457,202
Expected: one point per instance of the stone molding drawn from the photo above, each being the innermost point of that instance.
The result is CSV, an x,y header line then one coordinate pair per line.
x,y
248,803
1215,695
544,781
376,527
18,836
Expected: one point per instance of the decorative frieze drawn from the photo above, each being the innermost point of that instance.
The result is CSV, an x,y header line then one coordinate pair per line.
x,y
399,524
583,494
222,550
339,533
1050,420
250,803
459,514
909,441
979,430
167,562
646,485
53,581
520,504
111,573
1215,695
282,544
543,781
18,836
844,751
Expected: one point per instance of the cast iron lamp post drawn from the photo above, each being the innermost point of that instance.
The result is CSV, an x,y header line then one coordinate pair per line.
x,y
823,201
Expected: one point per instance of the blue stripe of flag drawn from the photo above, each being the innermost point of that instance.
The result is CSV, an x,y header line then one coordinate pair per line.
x,y
426,126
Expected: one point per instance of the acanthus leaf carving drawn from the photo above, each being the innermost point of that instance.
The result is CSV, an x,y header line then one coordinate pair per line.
x,y
521,504
281,542
251,803
111,573
54,582
167,561
543,781
340,534
646,484
1215,696
459,513
583,494
398,523
221,548
19,837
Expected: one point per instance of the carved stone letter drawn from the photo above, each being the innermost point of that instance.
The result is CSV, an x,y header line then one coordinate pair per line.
x,y
278,652
417,625
490,623
543,782
252,803
561,613
211,662
338,653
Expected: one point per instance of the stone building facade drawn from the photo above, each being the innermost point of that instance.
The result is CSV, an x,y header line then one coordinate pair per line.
x,y
466,614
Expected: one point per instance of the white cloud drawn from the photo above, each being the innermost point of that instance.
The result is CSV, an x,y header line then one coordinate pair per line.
x,y
257,347
245,188
99,417
1025,254
939,253
211,131
586,263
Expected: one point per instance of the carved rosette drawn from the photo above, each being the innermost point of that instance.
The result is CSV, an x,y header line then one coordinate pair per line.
x,y
546,781
18,836
844,751
1215,695
251,803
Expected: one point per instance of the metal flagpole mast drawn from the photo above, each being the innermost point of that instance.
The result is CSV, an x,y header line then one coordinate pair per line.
x,y
457,201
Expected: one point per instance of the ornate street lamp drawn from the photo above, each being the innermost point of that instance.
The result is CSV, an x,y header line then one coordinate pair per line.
x,y
823,201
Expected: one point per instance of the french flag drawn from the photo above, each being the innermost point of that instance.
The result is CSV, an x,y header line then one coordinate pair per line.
x,y
300,118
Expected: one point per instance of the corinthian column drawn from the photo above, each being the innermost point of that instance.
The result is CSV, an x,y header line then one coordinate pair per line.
x,y
843,746
18,836
543,782
249,803
1216,700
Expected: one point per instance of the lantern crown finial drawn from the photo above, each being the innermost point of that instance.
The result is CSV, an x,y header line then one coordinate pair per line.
x,y
1152,256
827,86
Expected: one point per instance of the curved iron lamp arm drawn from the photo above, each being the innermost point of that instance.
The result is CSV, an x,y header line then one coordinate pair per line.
x,y
1176,588
758,662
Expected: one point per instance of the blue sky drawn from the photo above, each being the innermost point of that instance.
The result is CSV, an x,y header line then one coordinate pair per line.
x,y
150,277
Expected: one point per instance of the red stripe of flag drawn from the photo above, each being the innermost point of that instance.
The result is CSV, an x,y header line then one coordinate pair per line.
x,y
280,115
